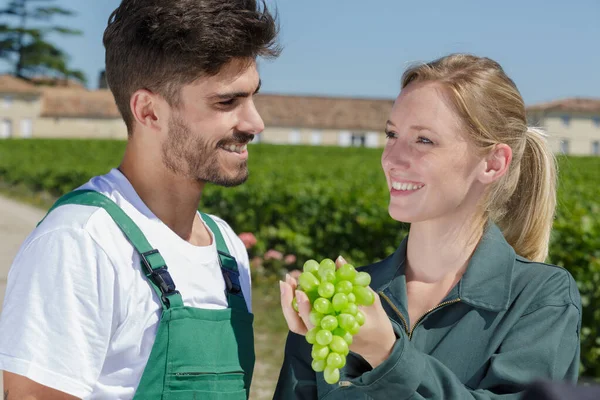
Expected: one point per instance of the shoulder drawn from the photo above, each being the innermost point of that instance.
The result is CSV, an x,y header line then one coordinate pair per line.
x,y
544,284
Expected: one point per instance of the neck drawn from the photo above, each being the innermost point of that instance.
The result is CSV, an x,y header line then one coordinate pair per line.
x,y
172,198
438,251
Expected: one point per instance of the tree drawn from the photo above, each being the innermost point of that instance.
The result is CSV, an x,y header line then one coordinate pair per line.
x,y
27,48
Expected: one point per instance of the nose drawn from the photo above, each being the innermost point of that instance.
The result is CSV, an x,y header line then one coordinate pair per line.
x,y
250,120
396,155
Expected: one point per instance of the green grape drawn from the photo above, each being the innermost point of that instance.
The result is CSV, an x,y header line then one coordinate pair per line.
x,y
326,267
312,295
326,289
322,305
351,298
329,322
315,317
295,304
343,362
319,352
343,334
344,287
308,281
346,272
339,301
332,375
362,279
311,335
360,318
354,328
311,266
330,277
351,309
346,321
335,360
324,337
328,263
339,345
319,365
364,296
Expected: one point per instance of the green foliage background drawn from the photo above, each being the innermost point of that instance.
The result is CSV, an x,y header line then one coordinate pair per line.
x,y
318,202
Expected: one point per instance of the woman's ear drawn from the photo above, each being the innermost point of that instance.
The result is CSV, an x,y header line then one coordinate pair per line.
x,y
496,163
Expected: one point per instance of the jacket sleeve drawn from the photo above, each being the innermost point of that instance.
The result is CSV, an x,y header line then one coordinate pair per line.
x,y
543,344
297,380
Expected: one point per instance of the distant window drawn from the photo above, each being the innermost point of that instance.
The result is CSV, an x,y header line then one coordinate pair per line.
x,y
8,100
315,138
596,148
344,139
564,146
566,120
294,137
372,139
5,128
26,128
596,121
359,139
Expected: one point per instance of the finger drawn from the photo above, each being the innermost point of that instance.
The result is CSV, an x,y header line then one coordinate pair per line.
x,y
291,281
304,308
294,322
340,261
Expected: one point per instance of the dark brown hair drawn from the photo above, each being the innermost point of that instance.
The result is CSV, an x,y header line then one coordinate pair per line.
x,y
162,45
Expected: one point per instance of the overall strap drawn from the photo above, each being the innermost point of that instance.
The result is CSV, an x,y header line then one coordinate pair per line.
x,y
229,268
154,266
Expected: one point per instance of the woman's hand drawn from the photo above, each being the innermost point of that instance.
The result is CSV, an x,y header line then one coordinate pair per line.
x,y
373,342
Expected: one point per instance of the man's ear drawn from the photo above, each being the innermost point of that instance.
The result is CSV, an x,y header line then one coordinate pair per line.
x,y
496,163
146,109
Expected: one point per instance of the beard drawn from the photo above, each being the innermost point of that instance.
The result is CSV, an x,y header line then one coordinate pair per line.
x,y
194,158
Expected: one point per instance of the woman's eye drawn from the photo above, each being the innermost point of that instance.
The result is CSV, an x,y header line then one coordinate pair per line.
x,y
390,135
424,140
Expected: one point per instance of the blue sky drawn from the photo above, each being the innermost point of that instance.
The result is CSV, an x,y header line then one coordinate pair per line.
x,y
360,48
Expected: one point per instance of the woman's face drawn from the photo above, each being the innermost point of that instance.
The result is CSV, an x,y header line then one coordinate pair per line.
x,y
432,171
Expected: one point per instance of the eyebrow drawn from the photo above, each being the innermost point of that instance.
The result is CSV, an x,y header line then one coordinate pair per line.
x,y
412,127
234,95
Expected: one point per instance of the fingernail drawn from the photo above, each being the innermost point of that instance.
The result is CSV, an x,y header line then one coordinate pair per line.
x,y
281,287
342,259
300,297
288,277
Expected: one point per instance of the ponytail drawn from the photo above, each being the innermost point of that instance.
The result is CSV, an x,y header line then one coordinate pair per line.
x,y
529,213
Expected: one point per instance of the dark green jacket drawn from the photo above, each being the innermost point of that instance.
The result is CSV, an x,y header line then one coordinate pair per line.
x,y
507,322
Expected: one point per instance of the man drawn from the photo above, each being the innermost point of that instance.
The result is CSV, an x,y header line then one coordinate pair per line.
x,y
124,290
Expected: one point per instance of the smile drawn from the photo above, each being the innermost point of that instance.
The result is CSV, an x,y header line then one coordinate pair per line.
x,y
406,186
235,148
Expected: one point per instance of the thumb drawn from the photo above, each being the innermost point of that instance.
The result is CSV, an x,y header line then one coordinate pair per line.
x,y
340,261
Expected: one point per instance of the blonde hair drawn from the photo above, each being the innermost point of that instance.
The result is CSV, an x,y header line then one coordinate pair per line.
x,y
522,202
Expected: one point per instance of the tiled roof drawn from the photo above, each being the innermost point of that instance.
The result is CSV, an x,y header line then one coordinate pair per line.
x,y
13,85
575,104
323,112
78,103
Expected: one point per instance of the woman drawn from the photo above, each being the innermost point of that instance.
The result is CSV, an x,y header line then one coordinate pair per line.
x,y
465,307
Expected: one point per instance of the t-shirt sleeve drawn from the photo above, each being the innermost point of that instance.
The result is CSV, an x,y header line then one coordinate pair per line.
x,y
57,315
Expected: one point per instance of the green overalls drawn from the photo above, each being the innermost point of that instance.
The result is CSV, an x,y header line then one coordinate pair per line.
x,y
198,353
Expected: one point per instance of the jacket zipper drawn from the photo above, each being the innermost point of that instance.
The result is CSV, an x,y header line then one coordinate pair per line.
x,y
410,333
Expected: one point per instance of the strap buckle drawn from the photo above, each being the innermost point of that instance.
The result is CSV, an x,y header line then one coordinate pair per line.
x,y
159,276
231,277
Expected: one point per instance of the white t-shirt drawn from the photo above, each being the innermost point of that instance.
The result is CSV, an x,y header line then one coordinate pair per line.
x,y
79,316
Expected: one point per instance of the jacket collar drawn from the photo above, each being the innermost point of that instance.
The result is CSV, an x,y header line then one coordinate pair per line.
x,y
486,283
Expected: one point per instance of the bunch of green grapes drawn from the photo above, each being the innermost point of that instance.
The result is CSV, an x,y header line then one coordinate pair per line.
x,y
335,296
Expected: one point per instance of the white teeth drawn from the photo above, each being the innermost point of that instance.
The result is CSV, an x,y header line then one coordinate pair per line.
x,y
235,149
232,147
244,147
406,186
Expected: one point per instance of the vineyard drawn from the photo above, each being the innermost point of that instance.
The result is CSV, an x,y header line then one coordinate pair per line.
x,y
316,202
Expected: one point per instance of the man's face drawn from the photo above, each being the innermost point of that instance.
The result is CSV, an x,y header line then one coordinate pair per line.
x,y
209,130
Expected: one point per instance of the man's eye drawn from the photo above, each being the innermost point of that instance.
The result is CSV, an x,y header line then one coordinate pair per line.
x,y
227,102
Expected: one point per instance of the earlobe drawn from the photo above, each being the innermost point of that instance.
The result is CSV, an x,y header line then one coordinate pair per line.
x,y
497,163
144,109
